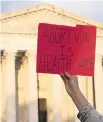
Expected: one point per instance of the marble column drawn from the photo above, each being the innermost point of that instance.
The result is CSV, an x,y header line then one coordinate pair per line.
x,y
11,88
68,107
21,96
25,77
3,88
99,83
32,87
57,98
0,88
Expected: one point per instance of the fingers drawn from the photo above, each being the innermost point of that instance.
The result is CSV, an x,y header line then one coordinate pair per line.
x,y
62,76
67,75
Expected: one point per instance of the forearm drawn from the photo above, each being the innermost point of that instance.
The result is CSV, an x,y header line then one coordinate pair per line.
x,y
86,112
79,99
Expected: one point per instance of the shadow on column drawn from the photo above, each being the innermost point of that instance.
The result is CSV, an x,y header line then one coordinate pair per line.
x,y
18,63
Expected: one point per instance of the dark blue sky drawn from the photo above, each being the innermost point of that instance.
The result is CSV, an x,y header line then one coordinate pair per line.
x,y
91,9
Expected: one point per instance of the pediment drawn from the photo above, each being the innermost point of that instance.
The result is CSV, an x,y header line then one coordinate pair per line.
x,y
26,21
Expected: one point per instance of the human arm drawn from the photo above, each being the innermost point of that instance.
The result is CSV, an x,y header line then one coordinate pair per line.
x,y
86,112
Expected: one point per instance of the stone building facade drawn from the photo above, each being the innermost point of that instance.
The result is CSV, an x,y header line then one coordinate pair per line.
x,y
31,97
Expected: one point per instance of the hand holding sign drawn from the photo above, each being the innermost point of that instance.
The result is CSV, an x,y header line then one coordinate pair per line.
x,y
63,48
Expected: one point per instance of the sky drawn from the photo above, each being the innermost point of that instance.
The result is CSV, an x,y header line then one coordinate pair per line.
x,y
91,9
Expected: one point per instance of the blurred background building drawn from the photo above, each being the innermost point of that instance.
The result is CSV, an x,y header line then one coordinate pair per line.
x,y
31,97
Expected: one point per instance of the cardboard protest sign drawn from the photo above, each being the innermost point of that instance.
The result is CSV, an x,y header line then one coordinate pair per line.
x,y
92,30
67,48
